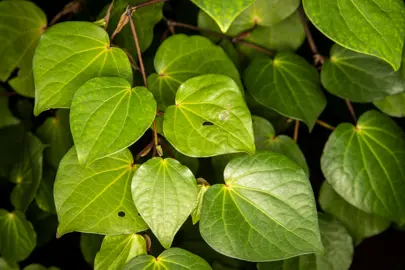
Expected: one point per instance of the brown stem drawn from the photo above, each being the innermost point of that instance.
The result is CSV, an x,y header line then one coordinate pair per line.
x,y
144,151
325,125
108,14
72,7
134,65
202,181
145,4
296,128
244,35
256,47
351,110
167,149
8,94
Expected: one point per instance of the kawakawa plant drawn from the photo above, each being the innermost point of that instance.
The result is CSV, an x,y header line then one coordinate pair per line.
x,y
125,152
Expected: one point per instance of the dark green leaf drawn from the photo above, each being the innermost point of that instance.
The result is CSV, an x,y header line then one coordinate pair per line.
x,y
392,105
90,244
7,118
364,165
44,197
11,147
251,216
5,266
209,110
372,27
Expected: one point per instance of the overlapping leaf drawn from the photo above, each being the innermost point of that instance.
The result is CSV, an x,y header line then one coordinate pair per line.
x,y
287,84
7,118
371,27
196,214
364,165
44,197
164,192
264,212
68,55
96,198
392,105
108,115
210,118
90,244
359,77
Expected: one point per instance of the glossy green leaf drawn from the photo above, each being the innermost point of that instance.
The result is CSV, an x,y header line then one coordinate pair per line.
x,y
196,213
5,266
96,198
264,212
22,24
219,163
209,111
192,163
44,197
224,13
266,139
359,77
371,27
337,256
7,118
364,165
359,223
288,85
90,244
171,259
17,236
108,115
27,173
392,105
117,250
55,132
164,192
68,55
193,56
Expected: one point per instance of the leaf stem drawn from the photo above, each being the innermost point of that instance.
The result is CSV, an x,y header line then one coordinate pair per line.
x,y
72,7
145,4
166,149
108,14
296,129
351,110
8,94
325,125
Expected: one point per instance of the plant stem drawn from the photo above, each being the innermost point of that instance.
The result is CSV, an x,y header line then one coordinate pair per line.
x,y
296,128
325,125
8,94
166,149
144,151
108,14
72,7
351,110
145,4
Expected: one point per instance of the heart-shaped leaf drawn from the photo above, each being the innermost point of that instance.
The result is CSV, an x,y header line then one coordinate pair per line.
x,y
359,77
96,198
7,118
22,24
108,115
17,236
68,55
265,211
171,259
90,244
164,192
359,223
364,165
371,27
117,250
224,14
209,112
287,84
194,56
392,105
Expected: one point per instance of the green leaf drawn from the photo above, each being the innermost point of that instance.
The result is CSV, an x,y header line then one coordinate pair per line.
x,y
44,197
27,173
192,163
190,60
359,77
5,266
196,213
164,192
11,147
68,55
364,165
371,27
7,118
117,250
392,105
209,110
22,24
90,244
266,139
108,115
171,259
287,84
337,256
264,212
55,132
96,198
38,266
224,13
360,224
17,236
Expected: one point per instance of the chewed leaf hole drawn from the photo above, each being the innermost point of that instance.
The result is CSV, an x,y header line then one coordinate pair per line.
x,y
121,214
206,123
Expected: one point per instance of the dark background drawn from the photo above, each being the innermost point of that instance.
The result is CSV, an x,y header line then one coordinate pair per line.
x,y
385,251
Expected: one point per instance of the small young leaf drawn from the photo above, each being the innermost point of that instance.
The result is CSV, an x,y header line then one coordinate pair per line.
x,y
360,224
44,197
194,56
90,244
364,165
7,118
17,236
371,27
55,132
209,111
108,115
224,14
171,259
164,192
96,198
250,217
359,77
196,214
68,55
287,84
117,250
392,105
